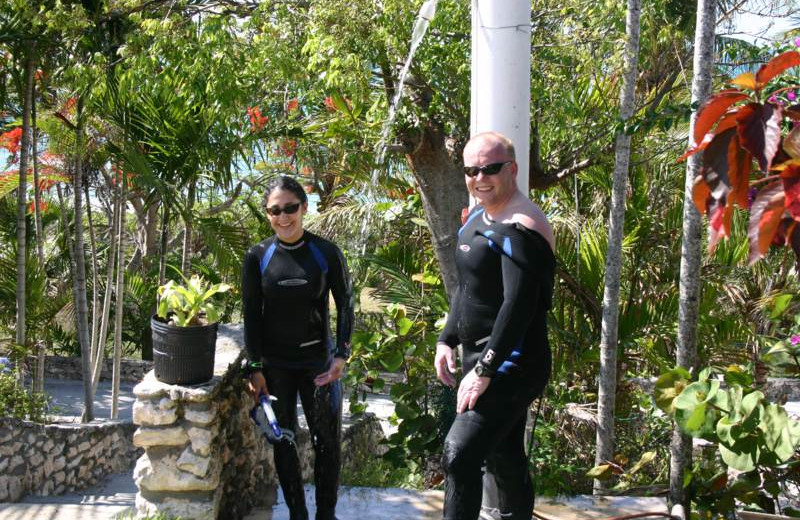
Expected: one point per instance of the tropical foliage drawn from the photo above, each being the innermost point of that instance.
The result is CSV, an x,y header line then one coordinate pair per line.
x,y
153,126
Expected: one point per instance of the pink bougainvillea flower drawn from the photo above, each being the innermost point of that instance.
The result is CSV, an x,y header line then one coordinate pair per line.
x,y
797,41
773,99
795,339
791,95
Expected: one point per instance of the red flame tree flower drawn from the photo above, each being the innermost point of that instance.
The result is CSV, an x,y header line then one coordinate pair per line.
x,y
11,140
257,121
735,130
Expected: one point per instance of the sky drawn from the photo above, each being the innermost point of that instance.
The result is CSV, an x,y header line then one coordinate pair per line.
x,y
761,29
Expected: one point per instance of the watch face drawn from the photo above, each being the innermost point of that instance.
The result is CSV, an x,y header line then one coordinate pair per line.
x,y
480,370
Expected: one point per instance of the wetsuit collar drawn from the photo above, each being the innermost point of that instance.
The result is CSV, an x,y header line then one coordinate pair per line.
x,y
293,245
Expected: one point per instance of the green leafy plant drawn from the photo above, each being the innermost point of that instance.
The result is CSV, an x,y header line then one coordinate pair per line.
x,y
186,305
753,435
749,430
783,355
16,401
406,345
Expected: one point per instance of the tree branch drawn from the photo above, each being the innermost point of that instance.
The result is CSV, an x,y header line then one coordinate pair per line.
x,y
219,208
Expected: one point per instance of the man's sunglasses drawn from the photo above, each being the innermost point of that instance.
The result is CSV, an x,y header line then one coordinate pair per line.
x,y
289,209
488,169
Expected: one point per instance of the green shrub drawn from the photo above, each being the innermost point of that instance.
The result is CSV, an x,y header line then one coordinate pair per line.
x,y
17,402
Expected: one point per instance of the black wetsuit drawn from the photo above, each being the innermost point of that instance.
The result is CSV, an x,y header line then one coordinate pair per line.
x,y
498,315
285,290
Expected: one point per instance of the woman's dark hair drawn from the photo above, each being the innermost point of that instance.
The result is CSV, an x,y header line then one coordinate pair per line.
x,y
284,182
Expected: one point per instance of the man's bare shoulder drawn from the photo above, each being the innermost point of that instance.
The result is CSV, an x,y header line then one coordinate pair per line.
x,y
527,214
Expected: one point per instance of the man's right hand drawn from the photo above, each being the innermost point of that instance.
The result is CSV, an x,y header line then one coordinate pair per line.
x,y
445,364
257,385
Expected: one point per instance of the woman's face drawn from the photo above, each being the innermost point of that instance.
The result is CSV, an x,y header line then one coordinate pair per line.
x,y
288,226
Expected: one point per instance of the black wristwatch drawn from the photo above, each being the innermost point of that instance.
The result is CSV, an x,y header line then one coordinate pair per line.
x,y
483,370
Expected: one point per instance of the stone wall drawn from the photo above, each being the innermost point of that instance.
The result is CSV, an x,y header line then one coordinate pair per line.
x,y
57,458
204,458
60,367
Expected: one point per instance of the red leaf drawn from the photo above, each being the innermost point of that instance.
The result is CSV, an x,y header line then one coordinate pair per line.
x,y
727,121
786,229
760,132
712,109
701,193
720,217
792,112
791,143
715,164
765,215
739,166
793,239
791,188
775,66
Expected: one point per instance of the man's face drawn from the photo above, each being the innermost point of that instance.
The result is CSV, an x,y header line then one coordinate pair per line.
x,y
490,191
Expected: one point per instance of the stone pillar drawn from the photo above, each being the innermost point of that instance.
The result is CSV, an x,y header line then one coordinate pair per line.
x,y
203,458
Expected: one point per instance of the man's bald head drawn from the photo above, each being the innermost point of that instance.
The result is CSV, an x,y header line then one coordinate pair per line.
x,y
490,140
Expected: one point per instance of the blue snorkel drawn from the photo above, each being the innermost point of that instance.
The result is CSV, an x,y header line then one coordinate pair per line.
x,y
264,416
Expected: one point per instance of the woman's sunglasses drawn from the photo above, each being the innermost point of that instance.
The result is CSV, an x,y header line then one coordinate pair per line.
x,y
488,169
289,209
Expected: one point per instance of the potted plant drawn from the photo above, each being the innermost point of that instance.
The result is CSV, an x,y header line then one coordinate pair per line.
x,y
185,331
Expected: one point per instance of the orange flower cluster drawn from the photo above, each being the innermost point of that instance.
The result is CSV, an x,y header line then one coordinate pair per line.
x,y
11,140
288,147
43,206
257,121
292,105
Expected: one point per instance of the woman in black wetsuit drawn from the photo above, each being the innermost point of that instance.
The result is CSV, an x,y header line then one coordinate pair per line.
x,y
286,281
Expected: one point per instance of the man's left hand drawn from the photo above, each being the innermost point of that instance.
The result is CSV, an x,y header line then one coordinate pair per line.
x,y
470,389
332,374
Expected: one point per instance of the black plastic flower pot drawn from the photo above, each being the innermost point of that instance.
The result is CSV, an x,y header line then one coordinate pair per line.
x,y
183,355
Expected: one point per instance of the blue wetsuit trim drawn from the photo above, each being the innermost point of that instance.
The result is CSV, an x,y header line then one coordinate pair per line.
x,y
267,257
471,217
319,257
507,247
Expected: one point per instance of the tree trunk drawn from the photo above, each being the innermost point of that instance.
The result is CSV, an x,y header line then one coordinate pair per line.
x,y
443,193
162,261
120,239
41,347
112,258
22,190
79,281
689,298
95,349
608,340
187,234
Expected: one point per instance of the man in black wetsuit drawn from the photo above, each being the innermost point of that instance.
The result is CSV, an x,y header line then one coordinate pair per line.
x,y
286,282
505,268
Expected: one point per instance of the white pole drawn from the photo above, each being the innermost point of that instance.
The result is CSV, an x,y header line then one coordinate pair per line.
x,y
501,99
501,74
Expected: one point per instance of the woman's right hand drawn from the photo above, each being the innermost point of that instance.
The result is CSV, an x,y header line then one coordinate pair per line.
x,y
257,385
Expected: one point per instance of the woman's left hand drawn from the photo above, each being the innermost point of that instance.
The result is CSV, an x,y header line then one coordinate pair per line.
x,y
332,374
